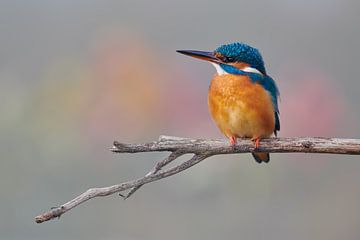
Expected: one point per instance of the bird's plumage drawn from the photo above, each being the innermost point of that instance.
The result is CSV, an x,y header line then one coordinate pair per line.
x,y
241,52
240,107
266,82
242,98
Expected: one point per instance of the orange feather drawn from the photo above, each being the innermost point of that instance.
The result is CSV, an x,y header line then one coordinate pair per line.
x,y
240,107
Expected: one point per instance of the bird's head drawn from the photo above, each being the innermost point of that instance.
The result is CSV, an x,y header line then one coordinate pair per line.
x,y
229,57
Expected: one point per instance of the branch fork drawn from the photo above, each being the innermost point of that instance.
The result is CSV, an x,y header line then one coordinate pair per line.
x,y
201,149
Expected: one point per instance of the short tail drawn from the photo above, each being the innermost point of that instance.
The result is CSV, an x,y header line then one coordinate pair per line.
x,y
261,157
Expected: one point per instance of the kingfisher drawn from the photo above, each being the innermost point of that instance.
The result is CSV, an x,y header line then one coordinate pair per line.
x,y
242,98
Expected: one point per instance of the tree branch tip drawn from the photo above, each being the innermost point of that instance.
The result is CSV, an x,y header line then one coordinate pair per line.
x,y
119,147
53,213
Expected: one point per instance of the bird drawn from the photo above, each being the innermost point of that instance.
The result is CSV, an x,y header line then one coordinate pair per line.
x,y
242,97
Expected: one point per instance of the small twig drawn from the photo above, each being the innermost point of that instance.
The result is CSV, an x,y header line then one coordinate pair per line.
x,y
155,170
202,149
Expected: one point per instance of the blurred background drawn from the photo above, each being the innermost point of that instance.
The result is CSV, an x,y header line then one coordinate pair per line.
x,y
76,75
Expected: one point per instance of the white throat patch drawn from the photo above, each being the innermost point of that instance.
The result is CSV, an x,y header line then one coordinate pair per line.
x,y
219,69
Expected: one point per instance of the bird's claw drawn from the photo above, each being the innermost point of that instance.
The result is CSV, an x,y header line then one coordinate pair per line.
x,y
233,140
256,142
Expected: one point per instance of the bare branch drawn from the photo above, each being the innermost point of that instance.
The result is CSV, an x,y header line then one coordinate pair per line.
x,y
105,191
202,149
272,145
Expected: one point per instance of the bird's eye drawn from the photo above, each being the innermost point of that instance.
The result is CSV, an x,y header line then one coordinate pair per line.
x,y
228,59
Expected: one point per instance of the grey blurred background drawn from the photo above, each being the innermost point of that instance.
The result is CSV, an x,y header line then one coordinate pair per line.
x,y
76,75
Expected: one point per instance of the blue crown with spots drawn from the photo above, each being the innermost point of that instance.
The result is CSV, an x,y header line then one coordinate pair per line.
x,y
241,52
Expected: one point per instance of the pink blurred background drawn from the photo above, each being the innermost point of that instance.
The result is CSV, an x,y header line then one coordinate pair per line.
x,y
77,75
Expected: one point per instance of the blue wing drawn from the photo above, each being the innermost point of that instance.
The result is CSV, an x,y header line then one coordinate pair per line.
x,y
267,82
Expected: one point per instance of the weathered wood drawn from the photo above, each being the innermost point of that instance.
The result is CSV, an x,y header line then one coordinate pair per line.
x,y
272,145
105,191
202,149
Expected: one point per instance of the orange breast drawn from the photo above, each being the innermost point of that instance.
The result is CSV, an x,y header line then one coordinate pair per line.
x,y
240,108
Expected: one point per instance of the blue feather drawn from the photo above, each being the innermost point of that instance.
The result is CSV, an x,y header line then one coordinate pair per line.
x,y
241,52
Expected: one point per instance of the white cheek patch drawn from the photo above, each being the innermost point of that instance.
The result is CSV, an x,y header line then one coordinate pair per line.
x,y
251,70
219,69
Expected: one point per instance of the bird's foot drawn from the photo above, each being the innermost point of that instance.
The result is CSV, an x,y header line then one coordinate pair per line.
x,y
233,140
256,142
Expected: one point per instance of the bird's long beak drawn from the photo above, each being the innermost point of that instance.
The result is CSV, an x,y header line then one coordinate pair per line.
x,y
208,56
